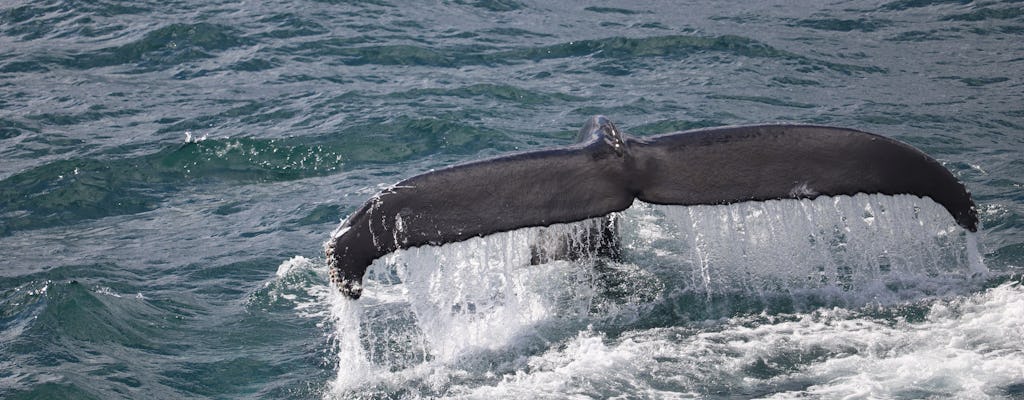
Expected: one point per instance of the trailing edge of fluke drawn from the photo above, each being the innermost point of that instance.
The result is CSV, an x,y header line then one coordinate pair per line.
x,y
606,170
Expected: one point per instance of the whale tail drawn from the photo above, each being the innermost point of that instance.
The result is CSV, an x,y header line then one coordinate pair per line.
x,y
608,170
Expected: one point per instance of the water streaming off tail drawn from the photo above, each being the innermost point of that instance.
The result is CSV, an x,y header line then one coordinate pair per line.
x,y
480,294
865,248
432,315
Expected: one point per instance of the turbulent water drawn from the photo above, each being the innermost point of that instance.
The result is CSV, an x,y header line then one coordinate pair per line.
x,y
171,170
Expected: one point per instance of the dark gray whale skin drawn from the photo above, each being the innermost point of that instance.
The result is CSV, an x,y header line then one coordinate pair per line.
x,y
606,170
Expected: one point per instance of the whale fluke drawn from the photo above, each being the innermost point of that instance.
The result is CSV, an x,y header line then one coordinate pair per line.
x,y
607,170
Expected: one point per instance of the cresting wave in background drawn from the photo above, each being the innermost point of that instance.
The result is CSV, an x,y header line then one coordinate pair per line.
x,y
169,172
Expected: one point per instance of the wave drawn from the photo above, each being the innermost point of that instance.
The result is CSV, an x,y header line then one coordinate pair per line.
x,y
633,49
73,190
108,331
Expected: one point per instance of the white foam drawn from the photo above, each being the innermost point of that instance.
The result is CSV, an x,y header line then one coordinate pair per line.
x,y
299,283
104,290
292,264
969,348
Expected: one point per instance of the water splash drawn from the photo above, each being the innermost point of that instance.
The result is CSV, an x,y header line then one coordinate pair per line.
x,y
446,320
189,138
482,293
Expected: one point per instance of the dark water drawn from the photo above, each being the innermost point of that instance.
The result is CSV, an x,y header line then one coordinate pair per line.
x,y
170,171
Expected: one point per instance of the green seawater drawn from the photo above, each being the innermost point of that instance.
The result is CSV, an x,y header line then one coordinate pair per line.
x,y
170,171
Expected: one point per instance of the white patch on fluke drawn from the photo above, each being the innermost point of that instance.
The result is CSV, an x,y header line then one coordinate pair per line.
x,y
802,190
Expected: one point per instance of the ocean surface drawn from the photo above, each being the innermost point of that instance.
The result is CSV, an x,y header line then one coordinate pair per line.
x,y
171,170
